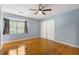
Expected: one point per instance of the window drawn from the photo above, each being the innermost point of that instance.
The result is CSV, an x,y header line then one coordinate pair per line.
x,y
16,27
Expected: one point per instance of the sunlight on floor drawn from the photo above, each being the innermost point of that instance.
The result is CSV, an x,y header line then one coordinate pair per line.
x,y
17,51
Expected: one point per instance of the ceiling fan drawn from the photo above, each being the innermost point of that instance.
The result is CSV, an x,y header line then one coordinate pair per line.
x,y
40,9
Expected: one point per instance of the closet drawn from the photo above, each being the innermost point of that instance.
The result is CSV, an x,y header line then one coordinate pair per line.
x,y
48,29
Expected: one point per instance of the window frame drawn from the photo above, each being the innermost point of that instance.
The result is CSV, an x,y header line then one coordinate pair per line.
x,y
16,27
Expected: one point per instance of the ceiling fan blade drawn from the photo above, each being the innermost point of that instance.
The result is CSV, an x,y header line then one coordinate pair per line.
x,y
47,9
43,13
35,13
34,9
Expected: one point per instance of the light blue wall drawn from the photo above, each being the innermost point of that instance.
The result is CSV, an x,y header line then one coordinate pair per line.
x,y
67,27
0,27
33,28
78,32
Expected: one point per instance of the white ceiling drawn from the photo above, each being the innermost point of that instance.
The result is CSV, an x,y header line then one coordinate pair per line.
x,y
23,9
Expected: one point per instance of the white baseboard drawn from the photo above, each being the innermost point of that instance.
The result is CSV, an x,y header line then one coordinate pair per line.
x,y
65,43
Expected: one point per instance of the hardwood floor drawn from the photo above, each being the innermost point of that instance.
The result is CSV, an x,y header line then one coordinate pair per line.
x,y
40,46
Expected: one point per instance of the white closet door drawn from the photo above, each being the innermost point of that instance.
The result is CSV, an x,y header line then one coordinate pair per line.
x,y
50,29
43,29
47,29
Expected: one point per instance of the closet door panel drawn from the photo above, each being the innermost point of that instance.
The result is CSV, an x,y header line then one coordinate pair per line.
x,y
50,29
43,29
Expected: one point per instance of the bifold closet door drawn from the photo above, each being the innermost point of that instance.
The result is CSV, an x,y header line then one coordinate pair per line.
x,y
48,29
43,29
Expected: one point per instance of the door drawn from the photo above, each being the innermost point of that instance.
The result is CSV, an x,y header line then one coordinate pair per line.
x,y
43,29
48,29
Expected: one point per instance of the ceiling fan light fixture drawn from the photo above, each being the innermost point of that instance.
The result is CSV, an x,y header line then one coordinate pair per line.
x,y
40,10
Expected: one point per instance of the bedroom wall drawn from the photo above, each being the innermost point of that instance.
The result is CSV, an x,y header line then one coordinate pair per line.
x,y
67,27
78,32
33,28
0,26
